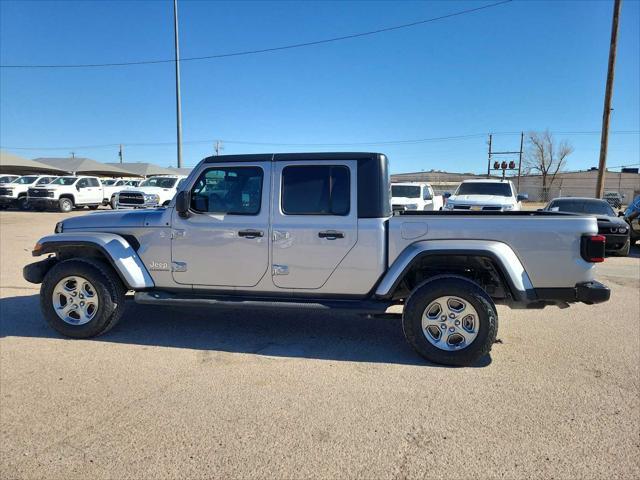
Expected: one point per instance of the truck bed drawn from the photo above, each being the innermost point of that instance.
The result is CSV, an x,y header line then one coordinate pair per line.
x,y
546,243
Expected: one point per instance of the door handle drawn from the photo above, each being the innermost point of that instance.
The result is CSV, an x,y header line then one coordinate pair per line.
x,y
250,233
331,234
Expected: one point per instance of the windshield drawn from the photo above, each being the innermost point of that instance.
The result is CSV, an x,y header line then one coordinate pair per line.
x,y
108,182
591,207
7,179
44,181
132,183
162,182
406,191
26,180
477,188
64,181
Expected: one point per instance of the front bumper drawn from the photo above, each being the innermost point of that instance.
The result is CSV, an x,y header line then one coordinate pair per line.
x,y
615,241
41,201
5,200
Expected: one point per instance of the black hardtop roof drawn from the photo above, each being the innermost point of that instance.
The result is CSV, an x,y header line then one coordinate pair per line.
x,y
287,157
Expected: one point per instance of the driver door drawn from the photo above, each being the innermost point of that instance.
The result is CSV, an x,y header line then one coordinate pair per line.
x,y
225,239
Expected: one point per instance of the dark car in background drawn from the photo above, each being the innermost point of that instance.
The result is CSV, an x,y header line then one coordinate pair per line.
x,y
614,228
632,217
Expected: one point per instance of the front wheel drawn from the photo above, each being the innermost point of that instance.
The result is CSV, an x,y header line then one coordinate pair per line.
x,y
65,205
23,203
82,298
450,320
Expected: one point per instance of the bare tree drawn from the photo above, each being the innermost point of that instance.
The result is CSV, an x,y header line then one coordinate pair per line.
x,y
546,157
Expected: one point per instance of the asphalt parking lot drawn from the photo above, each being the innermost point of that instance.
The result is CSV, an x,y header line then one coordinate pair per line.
x,y
173,393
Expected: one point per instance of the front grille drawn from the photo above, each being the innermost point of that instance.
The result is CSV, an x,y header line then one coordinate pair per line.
x,y
40,193
6,191
476,208
461,207
131,198
493,209
399,208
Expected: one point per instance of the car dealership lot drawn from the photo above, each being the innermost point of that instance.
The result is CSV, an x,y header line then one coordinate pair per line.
x,y
196,393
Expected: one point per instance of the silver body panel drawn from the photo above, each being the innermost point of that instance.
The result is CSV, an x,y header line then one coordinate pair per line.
x,y
204,251
123,256
547,247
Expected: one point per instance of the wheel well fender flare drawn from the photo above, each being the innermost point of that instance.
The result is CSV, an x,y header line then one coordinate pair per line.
x,y
70,196
115,249
503,257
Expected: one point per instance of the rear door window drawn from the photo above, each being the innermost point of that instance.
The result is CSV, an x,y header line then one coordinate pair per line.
x,y
315,190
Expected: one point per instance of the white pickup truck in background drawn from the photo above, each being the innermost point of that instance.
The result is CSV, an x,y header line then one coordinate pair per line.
x,y
15,193
153,192
67,192
414,196
113,186
485,195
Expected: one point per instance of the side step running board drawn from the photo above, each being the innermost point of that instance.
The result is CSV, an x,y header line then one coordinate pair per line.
x,y
366,307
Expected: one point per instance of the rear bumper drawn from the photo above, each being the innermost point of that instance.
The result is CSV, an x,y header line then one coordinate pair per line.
x,y
585,292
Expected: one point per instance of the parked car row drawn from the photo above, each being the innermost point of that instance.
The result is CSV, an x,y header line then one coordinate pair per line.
x,y
42,192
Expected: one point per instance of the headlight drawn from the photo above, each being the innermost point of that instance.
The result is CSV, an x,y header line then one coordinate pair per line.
x,y
507,207
59,227
411,206
151,198
448,206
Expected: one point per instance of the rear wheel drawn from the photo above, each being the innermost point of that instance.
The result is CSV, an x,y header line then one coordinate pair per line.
x,y
82,298
65,205
450,320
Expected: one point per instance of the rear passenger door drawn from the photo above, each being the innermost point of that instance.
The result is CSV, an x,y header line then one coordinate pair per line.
x,y
314,221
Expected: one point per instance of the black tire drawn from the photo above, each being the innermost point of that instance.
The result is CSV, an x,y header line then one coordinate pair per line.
x,y
22,203
466,290
113,203
65,205
108,288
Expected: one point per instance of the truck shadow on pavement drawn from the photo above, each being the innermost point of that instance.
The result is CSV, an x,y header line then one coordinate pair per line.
x,y
325,336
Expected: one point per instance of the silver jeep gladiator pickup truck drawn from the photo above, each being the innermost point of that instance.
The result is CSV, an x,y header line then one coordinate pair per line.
x,y
316,231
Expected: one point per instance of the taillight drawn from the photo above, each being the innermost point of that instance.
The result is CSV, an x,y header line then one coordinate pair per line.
x,y
592,248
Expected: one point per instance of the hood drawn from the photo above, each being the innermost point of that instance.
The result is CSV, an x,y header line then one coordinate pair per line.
x,y
148,190
404,200
604,220
106,219
480,200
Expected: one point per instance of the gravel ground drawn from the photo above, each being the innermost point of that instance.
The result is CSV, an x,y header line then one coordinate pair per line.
x,y
200,394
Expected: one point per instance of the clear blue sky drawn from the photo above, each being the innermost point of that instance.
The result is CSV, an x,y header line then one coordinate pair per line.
x,y
520,66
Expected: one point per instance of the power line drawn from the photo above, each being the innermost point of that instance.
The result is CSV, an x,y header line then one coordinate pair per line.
x,y
271,49
284,144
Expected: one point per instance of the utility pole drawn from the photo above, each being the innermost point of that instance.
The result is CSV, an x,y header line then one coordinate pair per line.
x,y
218,146
489,161
73,154
178,103
120,153
520,160
606,114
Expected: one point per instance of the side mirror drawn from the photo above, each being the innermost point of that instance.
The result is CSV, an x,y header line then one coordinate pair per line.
x,y
446,194
77,187
182,203
523,196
